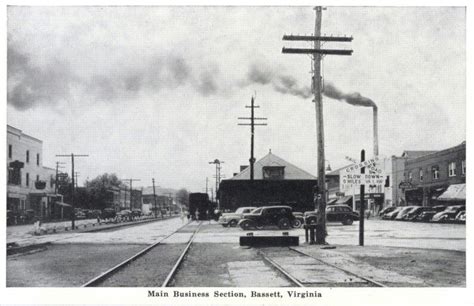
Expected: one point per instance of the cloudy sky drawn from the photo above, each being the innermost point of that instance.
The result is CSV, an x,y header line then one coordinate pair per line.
x,y
156,91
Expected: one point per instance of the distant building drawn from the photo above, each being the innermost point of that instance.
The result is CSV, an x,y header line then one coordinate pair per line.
x,y
30,185
165,199
276,182
435,178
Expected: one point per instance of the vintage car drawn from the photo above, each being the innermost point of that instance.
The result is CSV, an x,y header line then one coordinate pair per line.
x,y
280,216
334,213
232,219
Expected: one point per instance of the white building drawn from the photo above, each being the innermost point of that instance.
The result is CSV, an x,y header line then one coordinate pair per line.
x,y
30,185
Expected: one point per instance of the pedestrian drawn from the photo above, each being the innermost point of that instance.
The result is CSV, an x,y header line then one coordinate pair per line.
x,y
98,219
182,216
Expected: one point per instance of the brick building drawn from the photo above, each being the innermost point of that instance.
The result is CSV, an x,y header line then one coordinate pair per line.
x,y
428,177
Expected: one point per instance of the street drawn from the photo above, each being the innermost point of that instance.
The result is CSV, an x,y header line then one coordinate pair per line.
x,y
216,259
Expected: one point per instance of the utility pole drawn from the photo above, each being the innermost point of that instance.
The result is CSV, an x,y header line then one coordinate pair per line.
x,y
56,178
252,132
76,175
207,180
72,155
218,177
154,197
362,202
131,180
317,54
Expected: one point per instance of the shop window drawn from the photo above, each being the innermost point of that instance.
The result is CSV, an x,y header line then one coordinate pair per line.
x,y
435,171
27,156
421,175
452,169
463,167
10,151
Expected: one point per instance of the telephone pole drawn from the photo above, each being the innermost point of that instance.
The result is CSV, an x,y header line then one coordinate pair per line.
x,y
72,155
317,54
131,180
252,131
76,175
154,197
57,173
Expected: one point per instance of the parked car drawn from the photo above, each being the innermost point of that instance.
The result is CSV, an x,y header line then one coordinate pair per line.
x,y
232,219
386,210
415,212
299,219
124,214
334,213
461,216
405,211
136,213
280,216
79,214
108,213
428,214
391,215
448,214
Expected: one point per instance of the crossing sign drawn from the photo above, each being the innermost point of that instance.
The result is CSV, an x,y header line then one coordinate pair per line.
x,y
363,179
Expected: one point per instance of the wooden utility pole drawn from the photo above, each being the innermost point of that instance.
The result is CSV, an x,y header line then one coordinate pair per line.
x,y
252,132
362,202
317,53
131,180
72,155
154,197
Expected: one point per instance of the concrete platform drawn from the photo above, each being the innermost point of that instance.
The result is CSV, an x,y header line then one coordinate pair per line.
x,y
269,241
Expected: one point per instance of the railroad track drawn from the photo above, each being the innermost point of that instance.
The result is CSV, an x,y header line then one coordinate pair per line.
x,y
299,283
107,274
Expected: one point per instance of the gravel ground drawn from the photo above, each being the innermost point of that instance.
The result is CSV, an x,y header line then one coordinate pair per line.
x,y
226,265
73,264
150,270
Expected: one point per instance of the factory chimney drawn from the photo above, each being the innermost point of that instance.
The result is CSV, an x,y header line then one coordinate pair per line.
x,y
376,132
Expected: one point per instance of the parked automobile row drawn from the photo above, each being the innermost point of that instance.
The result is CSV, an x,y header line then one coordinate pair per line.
x,y
440,213
283,217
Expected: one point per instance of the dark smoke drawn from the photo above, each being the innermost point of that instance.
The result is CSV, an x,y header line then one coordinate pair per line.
x,y
31,85
282,83
355,98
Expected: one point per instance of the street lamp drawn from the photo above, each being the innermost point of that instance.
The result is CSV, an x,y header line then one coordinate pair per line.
x,y
328,168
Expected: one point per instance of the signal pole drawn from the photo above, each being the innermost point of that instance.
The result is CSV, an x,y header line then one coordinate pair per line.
x,y
317,53
72,155
56,178
131,191
252,132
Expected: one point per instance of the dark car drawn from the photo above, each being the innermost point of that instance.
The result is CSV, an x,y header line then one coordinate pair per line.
x,y
393,214
428,214
280,216
448,214
136,213
415,212
232,219
386,210
108,213
334,213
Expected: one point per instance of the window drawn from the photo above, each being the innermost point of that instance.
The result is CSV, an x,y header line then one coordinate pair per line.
x,y
463,167
37,178
452,169
435,171
37,159
14,176
10,151
273,173
27,179
421,175
27,156
410,176
51,181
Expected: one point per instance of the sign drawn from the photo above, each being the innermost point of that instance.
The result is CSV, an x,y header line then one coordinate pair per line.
x,y
353,160
369,164
363,179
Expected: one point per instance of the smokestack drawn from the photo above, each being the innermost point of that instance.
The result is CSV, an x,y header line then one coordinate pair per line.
x,y
376,132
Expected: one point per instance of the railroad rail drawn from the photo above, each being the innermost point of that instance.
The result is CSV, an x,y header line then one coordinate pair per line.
x,y
107,274
298,283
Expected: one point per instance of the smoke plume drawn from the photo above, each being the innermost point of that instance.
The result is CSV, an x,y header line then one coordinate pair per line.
x,y
31,84
281,82
355,98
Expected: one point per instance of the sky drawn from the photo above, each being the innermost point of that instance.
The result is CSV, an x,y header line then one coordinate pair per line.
x,y
155,92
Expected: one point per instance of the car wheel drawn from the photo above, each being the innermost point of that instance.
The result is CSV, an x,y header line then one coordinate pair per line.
x,y
233,223
311,221
245,225
224,225
297,223
347,221
259,226
284,223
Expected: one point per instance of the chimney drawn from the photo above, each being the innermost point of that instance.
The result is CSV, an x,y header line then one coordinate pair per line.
x,y
376,132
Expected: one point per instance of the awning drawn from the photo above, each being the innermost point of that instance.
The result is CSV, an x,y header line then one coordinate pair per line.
x,y
344,200
62,204
455,192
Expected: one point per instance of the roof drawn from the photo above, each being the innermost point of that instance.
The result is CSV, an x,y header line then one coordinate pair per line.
x,y
338,170
456,192
416,154
271,160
